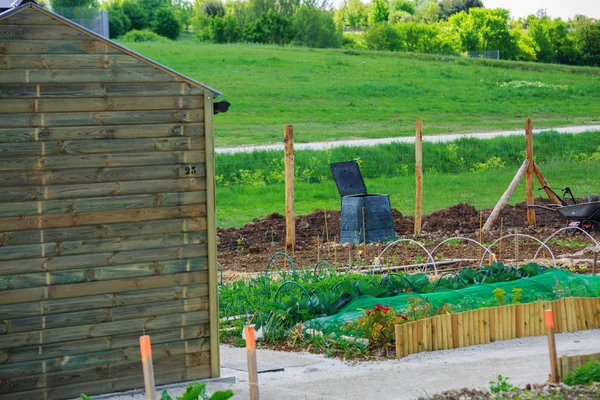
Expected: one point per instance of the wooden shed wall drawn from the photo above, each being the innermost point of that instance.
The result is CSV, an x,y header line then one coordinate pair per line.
x,y
104,233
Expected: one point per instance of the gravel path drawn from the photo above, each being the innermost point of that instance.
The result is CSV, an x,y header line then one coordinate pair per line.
x,y
409,139
309,376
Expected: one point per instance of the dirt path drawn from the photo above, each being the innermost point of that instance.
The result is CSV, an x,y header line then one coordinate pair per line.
x,y
375,142
309,376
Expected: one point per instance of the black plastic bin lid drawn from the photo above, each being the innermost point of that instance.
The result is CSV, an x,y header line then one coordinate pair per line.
x,y
348,178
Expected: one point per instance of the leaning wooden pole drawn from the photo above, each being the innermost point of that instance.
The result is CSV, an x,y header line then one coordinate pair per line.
x,y
529,173
419,177
540,177
288,145
505,197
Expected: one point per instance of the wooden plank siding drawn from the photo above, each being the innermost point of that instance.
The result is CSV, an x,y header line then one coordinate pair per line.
x,y
107,210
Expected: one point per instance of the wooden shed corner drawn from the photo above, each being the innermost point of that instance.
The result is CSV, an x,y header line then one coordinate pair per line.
x,y
107,214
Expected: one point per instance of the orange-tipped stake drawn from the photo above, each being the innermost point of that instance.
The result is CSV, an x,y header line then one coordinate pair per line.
x,y
252,369
549,322
148,369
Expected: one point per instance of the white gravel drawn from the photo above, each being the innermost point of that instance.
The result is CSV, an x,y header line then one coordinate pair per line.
x,y
309,376
409,139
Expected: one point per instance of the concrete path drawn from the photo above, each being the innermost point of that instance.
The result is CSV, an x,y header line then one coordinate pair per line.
x,y
406,139
308,376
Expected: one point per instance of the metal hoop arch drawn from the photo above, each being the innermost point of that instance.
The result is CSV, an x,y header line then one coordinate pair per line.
x,y
523,235
564,229
429,256
279,253
486,250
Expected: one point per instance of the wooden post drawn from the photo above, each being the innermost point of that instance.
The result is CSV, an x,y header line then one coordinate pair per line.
x,y
147,367
506,196
252,368
549,321
326,241
419,177
529,174
288,144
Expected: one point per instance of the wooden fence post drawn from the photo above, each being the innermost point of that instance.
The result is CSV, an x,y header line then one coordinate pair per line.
x,y
549,322
529,174
505,197
419,177
252,366
147,368
288,144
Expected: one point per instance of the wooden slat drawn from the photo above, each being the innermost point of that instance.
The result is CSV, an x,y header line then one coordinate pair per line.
x,y
101,245
154,309
101,259
36,32
40,120
36,279
99,359
12,135
55,47
95,232
100,189
94,302
62,61
172,334
95,89
67,379
99,217
98,204
117,384
31,17
195,157
92,288
125,75
95,175
138,325
8,106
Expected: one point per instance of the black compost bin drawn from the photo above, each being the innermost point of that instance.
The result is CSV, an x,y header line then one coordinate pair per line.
x,y
378,223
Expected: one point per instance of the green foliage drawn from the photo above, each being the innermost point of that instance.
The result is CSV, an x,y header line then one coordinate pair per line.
x,y
448,8
135,13
225,29
500,295
198,391
143,36
118,23
57,4
501,385
379,12
352,14
377,325
314,27
587,373
166,23
384,36
270,28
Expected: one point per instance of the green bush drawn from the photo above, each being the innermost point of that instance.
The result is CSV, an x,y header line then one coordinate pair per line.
x,y
384,36
166,23
587,373
143,36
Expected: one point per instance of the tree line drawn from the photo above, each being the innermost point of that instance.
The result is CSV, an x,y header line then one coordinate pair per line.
x,y
429,26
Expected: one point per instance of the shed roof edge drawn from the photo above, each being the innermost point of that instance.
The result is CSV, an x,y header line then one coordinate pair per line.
x,y
108,42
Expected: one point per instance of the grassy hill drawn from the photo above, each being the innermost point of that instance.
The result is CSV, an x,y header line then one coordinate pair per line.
x,y
339,94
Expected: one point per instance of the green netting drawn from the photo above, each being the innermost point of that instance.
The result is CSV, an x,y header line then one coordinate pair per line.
x,y
540,287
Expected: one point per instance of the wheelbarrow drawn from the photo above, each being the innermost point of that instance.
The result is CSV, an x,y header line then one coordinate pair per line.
x,y
585,216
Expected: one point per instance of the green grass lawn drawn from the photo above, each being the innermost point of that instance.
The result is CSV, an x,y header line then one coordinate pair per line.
x,y
338,94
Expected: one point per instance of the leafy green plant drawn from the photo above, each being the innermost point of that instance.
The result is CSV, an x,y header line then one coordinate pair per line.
x,y
587,373
143,35
500,295
517,295
501,385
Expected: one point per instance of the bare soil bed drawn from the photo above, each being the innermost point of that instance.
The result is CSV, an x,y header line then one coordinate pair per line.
x,y
246,250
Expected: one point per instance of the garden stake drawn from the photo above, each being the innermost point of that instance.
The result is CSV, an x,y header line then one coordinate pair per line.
x,y
595,262
252,369
549,322
501,226
516,249
318,247
480,231
326,233
335,253
350,256
405,253
147,367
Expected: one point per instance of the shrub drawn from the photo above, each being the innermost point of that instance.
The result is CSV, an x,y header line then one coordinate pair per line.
x,y
384,37
314,27
587,373
166,23
143,36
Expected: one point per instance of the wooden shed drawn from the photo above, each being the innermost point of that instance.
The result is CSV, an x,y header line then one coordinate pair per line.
x,y
107,214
